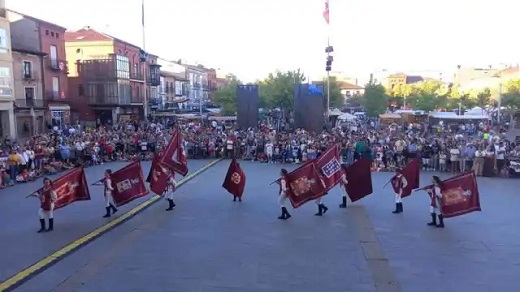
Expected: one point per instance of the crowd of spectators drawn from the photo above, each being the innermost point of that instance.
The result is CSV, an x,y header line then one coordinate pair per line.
x,y
456,147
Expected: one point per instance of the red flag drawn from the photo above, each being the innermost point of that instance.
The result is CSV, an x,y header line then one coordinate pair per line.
x,y
411,173
329,166
304,184
235,180
71,187
460,195
174,156
128,184
326,12
155,161
359,179
159,178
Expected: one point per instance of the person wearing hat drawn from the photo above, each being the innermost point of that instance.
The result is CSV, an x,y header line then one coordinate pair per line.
x,y
399,182
435,203
109,200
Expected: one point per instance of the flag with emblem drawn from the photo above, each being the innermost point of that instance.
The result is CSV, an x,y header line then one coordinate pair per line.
x,y
174,156
329,167
459,195
411,173
359,179
160,175
128,183
71,187
305,184
235,180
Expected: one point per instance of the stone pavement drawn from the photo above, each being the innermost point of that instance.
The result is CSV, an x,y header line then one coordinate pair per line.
x,y
210,243
21,246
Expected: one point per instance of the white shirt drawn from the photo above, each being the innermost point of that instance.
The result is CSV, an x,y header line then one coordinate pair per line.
x,y
497,150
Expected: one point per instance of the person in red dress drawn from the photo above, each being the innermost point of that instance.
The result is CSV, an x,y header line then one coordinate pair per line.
x,y
47,198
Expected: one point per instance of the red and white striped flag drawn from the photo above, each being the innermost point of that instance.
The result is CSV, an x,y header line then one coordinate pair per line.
x,y
326,12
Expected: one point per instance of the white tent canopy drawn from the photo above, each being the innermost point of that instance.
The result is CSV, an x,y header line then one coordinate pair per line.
x,y
335,112
346,117
454,116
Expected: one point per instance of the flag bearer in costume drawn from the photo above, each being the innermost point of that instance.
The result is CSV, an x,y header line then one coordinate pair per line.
x,y
109,200
48,198
435,202
343,185
322,209
170,189
283,195
400,183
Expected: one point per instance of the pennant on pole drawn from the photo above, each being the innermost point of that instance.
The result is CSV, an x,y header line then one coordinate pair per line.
x,y
326,12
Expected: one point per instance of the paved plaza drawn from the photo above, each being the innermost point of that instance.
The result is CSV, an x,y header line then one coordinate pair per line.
x,y
209,243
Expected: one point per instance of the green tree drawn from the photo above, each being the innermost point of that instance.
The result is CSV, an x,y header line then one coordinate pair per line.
x,y
511,95
375,99
226,97
277,90
484,98
336,98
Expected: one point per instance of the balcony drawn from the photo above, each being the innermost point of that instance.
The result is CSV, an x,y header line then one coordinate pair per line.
x,y
57,65
103,100
28,103
54,95
32,76
136,76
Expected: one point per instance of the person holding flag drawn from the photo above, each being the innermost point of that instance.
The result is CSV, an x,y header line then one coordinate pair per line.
x,y
170,189
48,198
283,195
399,182
343,187
435,193
109,199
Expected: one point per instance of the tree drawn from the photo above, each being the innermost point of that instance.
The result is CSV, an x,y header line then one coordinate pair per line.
x,y
336,98
484,98
226,97
277,90
511,95
375,99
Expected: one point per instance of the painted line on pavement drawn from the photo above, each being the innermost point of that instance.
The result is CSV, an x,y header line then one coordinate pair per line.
x,y
21,277
383,275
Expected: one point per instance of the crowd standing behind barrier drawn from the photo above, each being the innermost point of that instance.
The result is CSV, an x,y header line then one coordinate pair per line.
x,y
446,148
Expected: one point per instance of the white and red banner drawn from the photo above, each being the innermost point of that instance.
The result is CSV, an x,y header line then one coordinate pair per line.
x,y
174,156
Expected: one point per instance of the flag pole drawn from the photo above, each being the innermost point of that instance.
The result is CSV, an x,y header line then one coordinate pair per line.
x,y
328,79
145,97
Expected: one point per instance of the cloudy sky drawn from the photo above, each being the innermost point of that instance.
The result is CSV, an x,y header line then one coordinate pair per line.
x,y
254,37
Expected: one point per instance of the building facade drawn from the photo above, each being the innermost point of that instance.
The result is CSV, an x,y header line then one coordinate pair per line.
x,y
211,85
197,90
108,78
401,79
7,120
29,107
35,35
153,81
349,90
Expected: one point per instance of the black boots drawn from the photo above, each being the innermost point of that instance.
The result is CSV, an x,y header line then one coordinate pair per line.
x,y
51,225
398,208
235,199
434,220
114,209
441,222
285,215
107,213
322,209
108,209
171,205
42,226
343,202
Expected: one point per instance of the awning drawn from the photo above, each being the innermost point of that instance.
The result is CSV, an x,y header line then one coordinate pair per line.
x,y
59,107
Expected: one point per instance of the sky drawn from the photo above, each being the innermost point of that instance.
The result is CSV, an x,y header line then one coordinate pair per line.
x,y
251,38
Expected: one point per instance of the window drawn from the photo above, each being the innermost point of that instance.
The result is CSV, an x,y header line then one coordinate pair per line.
x,y
27,69
47,32
5,82
81,90
122,67
52,34
3,41
57,35
54,56
55,87
29,93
